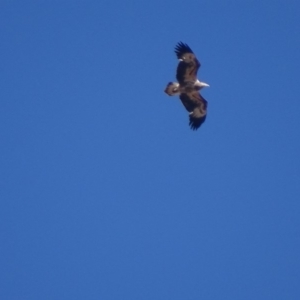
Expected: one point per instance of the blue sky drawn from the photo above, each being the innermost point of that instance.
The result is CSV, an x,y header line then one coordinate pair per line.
x,y
105,191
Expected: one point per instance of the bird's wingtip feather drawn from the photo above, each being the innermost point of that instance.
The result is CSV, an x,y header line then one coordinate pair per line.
x,y
182,48
195,123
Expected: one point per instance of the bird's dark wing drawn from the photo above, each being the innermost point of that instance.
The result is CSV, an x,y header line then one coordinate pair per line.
x,y
188,65
196,105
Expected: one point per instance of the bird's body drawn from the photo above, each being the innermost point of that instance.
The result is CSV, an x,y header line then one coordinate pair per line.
x,y
188,85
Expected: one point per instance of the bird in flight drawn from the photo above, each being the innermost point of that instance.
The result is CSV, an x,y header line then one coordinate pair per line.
x,y
188,85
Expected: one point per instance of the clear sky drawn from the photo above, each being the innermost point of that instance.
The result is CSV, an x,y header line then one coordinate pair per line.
x,y
105,191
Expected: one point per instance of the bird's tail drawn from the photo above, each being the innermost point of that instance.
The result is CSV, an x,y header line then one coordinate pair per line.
x,y
172,88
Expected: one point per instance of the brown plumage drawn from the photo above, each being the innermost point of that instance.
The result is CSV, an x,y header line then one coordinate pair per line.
x,y
188,85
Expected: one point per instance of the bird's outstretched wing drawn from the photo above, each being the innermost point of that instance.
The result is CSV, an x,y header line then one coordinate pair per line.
x,y
188,65
196,105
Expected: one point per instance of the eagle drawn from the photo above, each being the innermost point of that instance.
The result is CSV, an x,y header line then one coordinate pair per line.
x,y
188,85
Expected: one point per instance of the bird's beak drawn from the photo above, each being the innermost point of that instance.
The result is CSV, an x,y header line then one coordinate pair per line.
x,y
204,84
